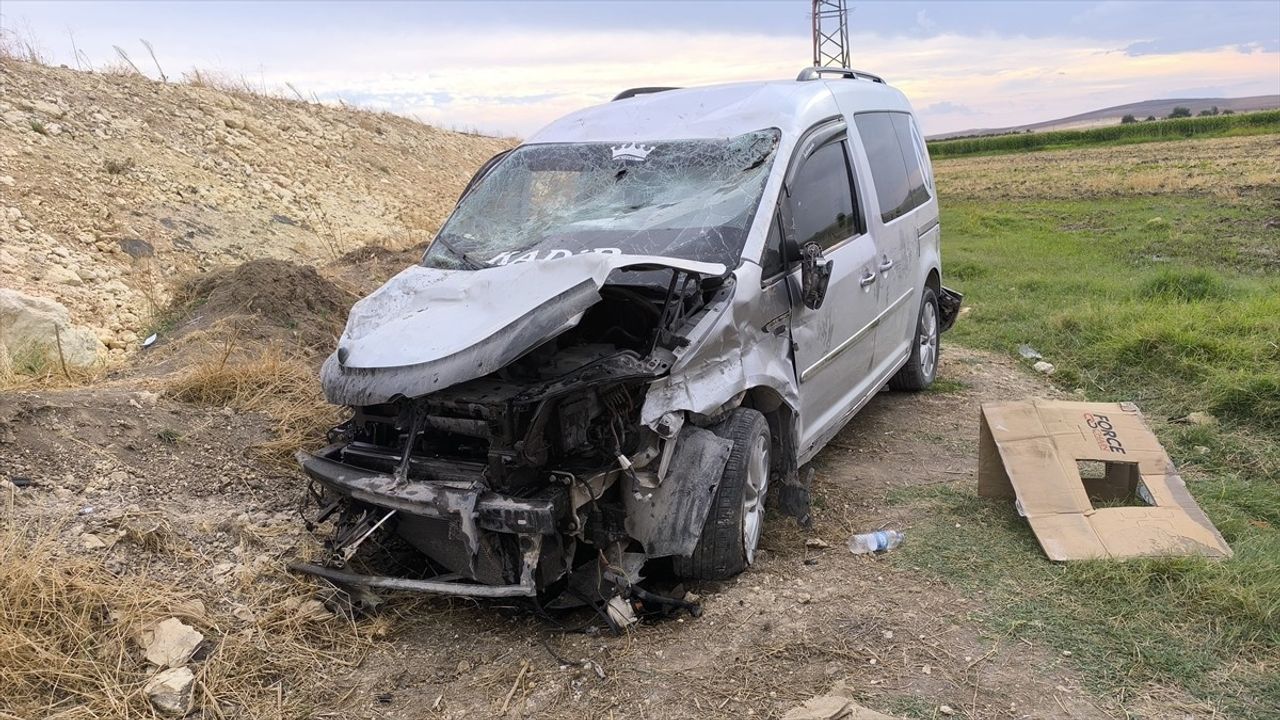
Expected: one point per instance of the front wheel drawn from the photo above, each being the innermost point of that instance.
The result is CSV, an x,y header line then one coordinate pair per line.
x,y
736,518
922,366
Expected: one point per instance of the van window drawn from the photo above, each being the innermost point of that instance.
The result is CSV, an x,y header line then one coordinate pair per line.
x,y
918,193
896,168
821,196
771,262
922,153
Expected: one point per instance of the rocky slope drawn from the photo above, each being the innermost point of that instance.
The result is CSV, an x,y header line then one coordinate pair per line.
x,y
112,186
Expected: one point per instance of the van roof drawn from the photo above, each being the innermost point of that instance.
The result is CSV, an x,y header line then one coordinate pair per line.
x,y
792,106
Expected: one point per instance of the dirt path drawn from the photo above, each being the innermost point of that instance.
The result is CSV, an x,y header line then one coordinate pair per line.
x,y
799,621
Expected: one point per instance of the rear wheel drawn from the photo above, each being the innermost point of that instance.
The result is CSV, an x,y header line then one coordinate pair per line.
x,y
736,518
922,366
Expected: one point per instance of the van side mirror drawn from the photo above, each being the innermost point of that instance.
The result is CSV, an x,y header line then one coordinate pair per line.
x,y
815,275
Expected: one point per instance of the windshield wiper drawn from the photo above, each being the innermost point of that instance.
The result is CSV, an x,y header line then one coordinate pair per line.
x,y
466,259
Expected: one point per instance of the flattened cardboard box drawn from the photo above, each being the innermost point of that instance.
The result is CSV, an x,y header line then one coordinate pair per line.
x,y
1056,459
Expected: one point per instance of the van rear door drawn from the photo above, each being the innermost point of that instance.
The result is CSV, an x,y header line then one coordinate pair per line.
x,y
901,191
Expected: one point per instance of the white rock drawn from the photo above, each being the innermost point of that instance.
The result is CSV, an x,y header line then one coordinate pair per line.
x,y
1201,418
58,275
6,180
171,643
1046,368
89,541
171,691
313,611
47,108
27,324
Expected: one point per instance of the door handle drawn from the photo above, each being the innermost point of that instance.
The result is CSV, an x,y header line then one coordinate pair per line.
x,y
867,279
884,266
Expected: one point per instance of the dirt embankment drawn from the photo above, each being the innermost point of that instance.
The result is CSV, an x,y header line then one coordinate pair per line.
x,y
112,186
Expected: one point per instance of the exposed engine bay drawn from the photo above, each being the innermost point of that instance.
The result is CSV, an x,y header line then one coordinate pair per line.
x,y
537,479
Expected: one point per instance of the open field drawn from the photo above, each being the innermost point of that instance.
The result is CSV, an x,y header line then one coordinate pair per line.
x,y
1262,122
156,488
1164,290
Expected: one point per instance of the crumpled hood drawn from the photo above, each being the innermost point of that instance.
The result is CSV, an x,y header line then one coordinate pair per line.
x,y
427,329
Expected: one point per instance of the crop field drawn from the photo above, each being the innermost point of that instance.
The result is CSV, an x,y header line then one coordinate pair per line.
x,y
1265,122
1148,273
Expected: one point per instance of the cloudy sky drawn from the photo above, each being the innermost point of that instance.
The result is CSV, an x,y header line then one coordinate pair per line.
x,y
509,67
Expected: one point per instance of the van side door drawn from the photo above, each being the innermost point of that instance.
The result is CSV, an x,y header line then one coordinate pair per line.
x,y
833,345
898,176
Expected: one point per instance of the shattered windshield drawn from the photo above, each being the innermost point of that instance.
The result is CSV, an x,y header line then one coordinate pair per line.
x,y
690,199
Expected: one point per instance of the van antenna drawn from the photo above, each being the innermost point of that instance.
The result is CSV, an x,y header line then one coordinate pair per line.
x,y
830,34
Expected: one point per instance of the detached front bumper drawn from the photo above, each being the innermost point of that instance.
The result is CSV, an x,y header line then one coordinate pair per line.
x,y
463,504
452,499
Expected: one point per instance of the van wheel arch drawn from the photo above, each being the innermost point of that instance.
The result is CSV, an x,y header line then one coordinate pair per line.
x,y
789,492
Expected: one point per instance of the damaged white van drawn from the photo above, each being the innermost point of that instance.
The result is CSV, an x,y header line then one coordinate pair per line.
x,y
633,328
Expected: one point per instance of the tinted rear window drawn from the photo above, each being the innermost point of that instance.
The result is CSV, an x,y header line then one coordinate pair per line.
x,y
896,167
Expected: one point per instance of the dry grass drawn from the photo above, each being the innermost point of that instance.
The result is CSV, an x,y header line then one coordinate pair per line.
x,y
268,380
1219,167
70,629
32,370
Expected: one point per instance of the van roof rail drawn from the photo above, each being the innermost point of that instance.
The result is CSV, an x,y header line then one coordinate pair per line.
x,y
632,92
813,73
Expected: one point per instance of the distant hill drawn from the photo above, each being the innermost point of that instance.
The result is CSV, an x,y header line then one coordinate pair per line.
x,y
1140,110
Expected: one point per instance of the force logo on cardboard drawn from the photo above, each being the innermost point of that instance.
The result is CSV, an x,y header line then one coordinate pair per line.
x,y
1105,432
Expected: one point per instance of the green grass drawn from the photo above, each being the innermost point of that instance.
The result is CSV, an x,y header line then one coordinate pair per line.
x,y
1211,628
1266,121
1173,303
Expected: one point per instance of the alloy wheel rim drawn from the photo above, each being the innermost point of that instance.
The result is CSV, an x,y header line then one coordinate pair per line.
x,y
928,339
753,496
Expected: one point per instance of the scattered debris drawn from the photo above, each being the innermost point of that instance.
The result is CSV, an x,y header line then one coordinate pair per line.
x,y
1196,418
171,643
817,543
89,541
1056,459
1046,368
621,612
835,705
170,691
312,611
875,542
1029,352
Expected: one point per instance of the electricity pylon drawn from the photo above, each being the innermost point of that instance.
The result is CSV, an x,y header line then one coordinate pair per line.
x,y
830,34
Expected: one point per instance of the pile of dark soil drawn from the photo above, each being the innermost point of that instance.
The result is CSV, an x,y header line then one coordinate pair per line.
x,y
264,299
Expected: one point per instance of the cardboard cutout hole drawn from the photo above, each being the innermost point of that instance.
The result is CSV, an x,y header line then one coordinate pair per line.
x,y
1113,484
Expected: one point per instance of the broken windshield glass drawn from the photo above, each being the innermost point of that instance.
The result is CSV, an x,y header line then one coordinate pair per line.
x,y
691,199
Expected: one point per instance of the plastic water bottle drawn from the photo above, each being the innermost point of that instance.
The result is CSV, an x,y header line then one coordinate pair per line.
x,y
874,542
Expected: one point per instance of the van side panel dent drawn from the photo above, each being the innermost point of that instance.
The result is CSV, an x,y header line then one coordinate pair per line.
x,y
729,352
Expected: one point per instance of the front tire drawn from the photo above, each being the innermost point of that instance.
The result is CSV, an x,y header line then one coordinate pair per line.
x,y
922,366
736,518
